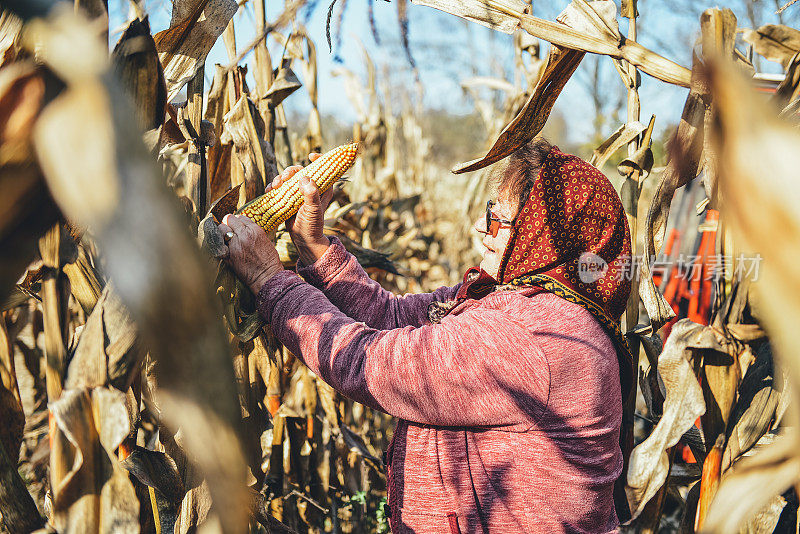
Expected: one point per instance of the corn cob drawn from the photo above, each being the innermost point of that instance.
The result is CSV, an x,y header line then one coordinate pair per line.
x,y
276,205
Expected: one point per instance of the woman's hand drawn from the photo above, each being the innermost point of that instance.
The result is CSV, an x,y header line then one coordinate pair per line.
x,y
251,254
306,228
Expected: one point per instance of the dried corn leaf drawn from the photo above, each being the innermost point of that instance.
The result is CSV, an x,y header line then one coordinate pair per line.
x,y
223,170
195,27
753,483
108,351
683,404
640,162
22,92
621,137
95,495
609,42
789,89
213,445
493,15
16,505
10,48
245,129
530,121
763,177
81,175
139,70
720,378
86,283
156,470
718,37
775,42
755,407
285,84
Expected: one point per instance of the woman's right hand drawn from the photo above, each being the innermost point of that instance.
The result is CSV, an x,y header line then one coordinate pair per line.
x,y
306,228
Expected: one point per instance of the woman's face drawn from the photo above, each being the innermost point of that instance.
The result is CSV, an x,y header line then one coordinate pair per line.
x,y
494,247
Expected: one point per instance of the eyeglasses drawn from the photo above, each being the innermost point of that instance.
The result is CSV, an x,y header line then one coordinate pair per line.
x,y
493,224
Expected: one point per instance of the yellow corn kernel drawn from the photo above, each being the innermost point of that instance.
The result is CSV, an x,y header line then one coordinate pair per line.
x,y
276,205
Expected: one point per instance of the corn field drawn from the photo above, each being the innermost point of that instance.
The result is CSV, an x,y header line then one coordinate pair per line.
x,y
140,391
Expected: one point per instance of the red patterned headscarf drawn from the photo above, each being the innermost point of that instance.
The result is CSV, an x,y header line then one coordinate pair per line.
x,y
570,238
573,230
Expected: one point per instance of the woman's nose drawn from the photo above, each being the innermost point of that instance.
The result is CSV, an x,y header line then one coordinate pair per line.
x,y
480,225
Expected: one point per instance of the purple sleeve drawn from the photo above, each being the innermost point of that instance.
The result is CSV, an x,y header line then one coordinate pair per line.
x,y
477,368
338,274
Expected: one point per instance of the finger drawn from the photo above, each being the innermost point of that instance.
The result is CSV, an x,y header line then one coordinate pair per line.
x,y
327,196
310,191
287,173
234,222
313,156
224,228
247,221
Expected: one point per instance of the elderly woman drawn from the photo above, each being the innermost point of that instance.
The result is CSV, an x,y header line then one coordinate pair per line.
x,y
507,386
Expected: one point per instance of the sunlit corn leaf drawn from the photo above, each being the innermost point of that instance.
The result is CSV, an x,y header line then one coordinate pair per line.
x,y
789,89
683,166
530,121
10,47
224,171
285,84
720,379
95,495
621,137
640,161
599,13
195,27
86,282
683,404
776,42
139,70
490,14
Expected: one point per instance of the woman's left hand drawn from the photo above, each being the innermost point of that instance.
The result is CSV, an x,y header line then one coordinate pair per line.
x,y
251,254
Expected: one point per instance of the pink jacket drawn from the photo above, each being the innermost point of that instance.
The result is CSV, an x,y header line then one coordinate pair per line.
x,y
509,409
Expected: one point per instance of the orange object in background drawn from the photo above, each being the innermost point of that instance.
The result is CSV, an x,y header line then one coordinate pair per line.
x,y
673,239
689,291
702,283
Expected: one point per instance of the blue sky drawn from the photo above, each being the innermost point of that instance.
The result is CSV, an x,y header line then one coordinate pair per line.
x,y
448,50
